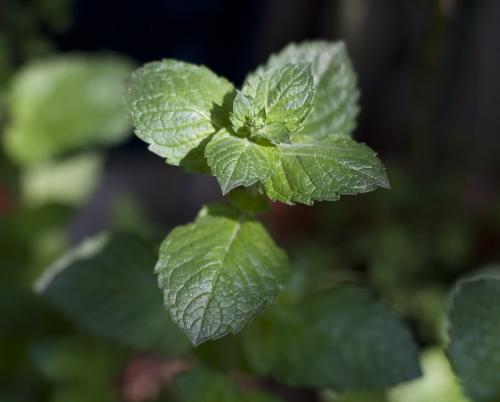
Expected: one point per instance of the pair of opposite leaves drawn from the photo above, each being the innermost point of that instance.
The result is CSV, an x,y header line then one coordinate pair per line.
x,y
287,130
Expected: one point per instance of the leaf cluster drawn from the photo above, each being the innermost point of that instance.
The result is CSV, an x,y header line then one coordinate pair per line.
x,y
288,129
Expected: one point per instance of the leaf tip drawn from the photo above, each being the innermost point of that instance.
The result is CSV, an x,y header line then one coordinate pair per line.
x,y
384,182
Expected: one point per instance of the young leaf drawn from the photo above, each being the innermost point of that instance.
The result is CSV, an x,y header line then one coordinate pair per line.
x,y
336,101
342,339
175,106
275,104
311,172
106,286
64,103
287,94
218,273
474,345
237,161
243,113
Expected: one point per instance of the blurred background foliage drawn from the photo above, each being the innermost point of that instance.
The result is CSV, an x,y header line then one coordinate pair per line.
x,y
70,168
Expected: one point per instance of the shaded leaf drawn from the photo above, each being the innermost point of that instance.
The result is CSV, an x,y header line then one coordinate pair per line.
x,y
474,333
343,339
107,286
202,385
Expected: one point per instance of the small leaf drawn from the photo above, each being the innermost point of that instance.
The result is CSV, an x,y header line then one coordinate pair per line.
x,y
474,333
275,103
237,161
243,112
175,106
275,132
287,94
323,171
336,103
342,339
66,103
106,286
218,273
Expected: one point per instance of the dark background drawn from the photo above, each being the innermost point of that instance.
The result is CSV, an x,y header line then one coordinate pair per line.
x,y
428,73
432,64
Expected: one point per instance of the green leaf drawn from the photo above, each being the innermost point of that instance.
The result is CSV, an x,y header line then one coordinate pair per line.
x,y
286,94
107,286
343,339
275,104
67,360
359,396
249,201
218,273
237,161
243,113
79,368
176,106
474,333
324,171
84,393
69,181
437,384
203,385
65,103
336,102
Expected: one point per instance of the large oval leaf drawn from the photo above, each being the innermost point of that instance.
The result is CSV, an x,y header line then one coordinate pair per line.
x,y
218,273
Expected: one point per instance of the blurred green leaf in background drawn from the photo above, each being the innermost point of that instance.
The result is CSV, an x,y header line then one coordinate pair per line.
x,y
66,103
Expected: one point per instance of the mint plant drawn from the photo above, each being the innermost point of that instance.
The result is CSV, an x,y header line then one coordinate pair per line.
x,y
285,135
